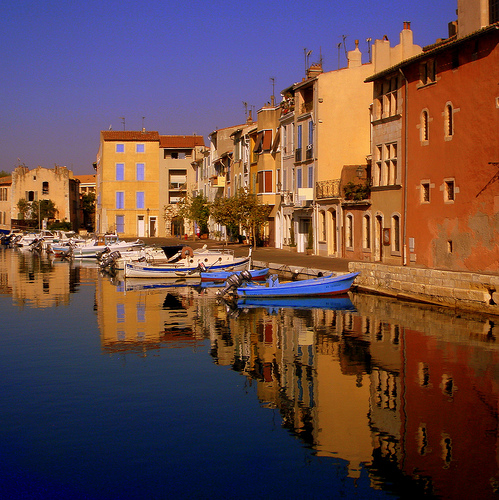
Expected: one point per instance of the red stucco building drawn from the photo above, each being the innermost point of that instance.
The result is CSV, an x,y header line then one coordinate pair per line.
x,y
435,150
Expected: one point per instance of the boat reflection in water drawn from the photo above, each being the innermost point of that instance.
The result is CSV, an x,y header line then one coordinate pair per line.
x,y
401,399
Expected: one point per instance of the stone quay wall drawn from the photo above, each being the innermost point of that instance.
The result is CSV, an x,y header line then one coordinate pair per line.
x,y
460,290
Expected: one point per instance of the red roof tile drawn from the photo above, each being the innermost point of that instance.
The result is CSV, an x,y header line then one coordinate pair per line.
x,y
129,135
180,141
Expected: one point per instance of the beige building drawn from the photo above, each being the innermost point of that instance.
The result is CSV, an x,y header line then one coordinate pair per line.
x,y
179,155
87,183
325,136
5,203
56,184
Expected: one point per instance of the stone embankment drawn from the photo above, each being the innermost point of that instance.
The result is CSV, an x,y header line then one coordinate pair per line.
x,y
459,290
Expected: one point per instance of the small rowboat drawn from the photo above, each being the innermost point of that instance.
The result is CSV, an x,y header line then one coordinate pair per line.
x,y
322,286
220,277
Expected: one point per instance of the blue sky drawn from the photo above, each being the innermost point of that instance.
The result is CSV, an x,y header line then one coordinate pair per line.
x,y
72,69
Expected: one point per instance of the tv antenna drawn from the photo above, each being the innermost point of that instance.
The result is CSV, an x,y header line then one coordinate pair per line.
x,y
122,118
307,55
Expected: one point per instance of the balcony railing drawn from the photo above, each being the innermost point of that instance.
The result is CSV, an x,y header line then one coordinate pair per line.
x,y
298,154
327,189
310,152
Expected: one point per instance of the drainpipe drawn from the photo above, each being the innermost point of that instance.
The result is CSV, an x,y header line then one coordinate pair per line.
x,y
404,230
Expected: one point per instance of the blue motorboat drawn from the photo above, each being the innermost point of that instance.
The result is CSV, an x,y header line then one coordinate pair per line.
x,y
322,286
220,277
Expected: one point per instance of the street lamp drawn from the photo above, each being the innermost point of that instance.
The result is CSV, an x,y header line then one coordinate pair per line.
x,y
147,223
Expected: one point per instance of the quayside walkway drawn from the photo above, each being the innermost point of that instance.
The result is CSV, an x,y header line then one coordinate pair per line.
x,y
474,292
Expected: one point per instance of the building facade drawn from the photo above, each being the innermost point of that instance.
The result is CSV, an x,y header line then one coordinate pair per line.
x,y
56,184
5,203
179,154
127,184
435,151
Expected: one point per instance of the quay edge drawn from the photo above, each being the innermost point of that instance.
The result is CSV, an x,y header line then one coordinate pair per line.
x,y
459,290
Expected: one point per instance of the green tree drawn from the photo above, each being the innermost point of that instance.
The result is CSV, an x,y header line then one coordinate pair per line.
x,y
88,209
24,208
196,209
242,210
223,212
3,173
43,209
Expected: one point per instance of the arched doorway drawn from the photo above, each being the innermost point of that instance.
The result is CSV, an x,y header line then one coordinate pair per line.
x,y
378,238
332,232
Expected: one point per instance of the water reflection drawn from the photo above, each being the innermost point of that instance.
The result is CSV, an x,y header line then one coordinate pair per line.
x,y
408,392
37,280
405,392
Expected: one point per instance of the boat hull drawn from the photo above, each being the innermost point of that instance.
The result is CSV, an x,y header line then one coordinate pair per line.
x,y
325,286
221,276
137,270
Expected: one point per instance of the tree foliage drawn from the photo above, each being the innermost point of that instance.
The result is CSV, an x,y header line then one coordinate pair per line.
x,y
243,210
43,209
195,209
88,209
3,173
36,210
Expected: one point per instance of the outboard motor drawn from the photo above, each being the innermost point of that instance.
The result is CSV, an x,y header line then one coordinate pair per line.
x,y
109,259
37,245
100,255
234,281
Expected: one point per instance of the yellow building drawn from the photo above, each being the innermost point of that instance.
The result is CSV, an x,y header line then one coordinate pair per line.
x,y
127,183
265,158
139,173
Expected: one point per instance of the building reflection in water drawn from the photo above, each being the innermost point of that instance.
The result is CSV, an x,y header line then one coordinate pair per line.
x,y
38,280
405,391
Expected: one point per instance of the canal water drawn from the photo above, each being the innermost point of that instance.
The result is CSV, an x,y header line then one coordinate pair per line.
x,y
114,390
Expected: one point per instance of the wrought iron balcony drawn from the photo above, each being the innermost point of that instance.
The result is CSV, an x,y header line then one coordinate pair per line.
x,y
327,189
298,154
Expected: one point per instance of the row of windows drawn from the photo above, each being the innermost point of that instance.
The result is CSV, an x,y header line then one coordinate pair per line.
x,y
139,171
288,140
448,189
388,236
139,200
139,148
425,121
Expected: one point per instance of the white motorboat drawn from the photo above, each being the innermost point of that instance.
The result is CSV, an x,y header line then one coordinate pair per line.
x,y
94,247
189,264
